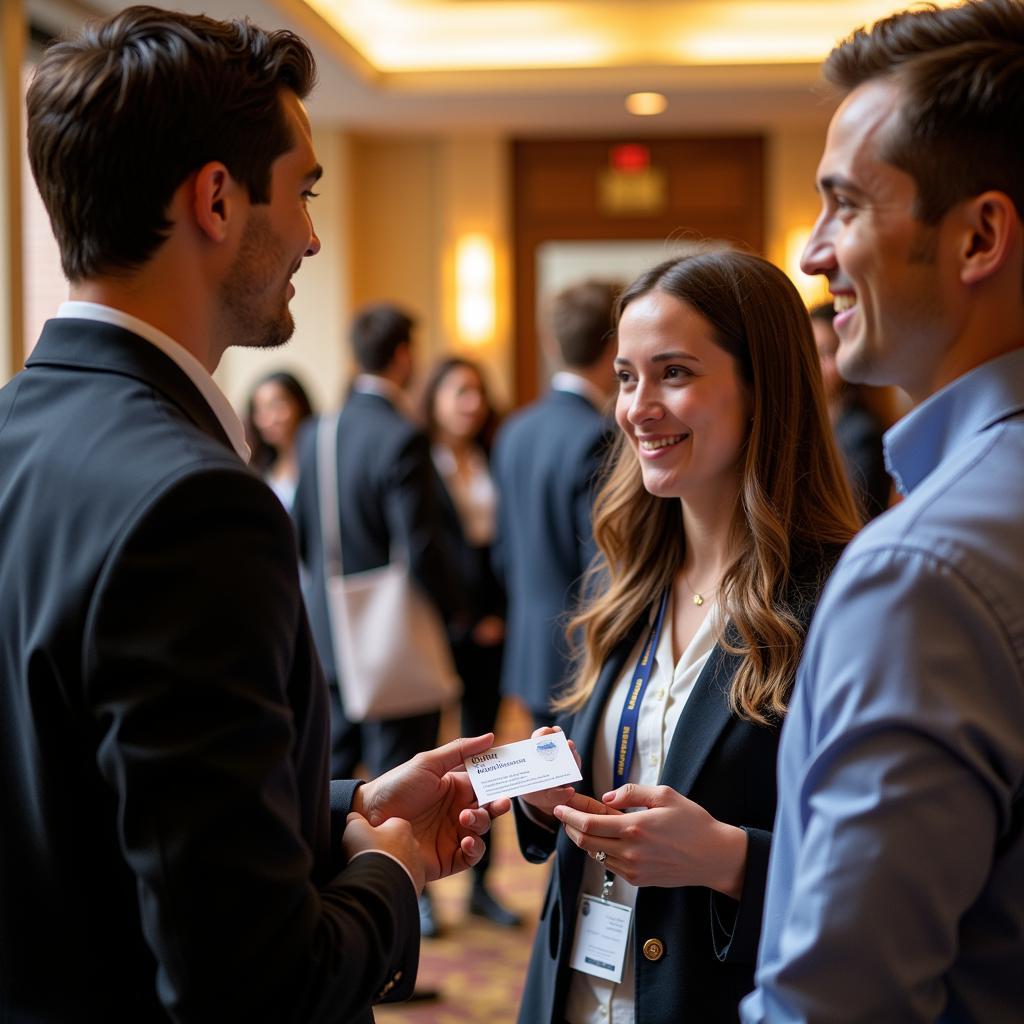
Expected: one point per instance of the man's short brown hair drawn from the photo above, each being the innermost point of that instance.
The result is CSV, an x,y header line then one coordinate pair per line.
x,y
376,334
581,319
960,72
122,114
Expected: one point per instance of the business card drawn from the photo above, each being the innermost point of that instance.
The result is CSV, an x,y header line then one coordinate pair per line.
x,y
523,767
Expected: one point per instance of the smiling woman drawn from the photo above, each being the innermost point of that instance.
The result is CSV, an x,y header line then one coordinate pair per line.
x,y
723,511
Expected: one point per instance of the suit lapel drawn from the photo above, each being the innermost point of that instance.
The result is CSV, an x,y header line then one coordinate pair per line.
x,y
589,718
93,345
701,722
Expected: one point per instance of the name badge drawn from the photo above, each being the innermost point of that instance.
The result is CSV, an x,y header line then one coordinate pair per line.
x,y
523,767
602,936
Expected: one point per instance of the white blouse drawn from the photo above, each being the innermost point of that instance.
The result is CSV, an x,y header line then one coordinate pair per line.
x,y
593,1000
473,495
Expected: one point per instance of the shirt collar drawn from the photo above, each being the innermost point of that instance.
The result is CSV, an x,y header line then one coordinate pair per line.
x,y
189,365
566,380
936,428
372,384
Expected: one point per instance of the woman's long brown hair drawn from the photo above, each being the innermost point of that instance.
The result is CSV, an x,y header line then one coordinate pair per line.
x,y
795,501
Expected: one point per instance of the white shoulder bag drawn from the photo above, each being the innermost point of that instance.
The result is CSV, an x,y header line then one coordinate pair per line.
x,y
391,649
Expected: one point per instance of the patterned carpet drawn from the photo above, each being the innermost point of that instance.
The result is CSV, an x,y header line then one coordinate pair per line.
x,y
477,967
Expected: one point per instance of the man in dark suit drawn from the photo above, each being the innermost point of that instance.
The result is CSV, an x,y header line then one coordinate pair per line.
x,y
546,458
387,506
171,847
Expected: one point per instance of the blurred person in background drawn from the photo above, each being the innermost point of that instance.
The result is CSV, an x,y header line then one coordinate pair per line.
x,y
276,409
388,506
546,460
460,422
855,421
725,508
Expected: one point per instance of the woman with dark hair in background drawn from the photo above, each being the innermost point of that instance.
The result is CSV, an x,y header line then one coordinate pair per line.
x,y
460,421
277,405
724,508
853,411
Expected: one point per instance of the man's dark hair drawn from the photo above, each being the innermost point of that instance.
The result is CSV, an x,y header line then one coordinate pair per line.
x,y
582,321
122,114
960,71
376,333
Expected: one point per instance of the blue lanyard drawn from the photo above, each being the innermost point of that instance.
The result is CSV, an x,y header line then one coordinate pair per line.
x,y
626,732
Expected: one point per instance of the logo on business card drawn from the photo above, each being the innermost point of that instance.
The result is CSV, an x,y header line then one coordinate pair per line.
x,y
547,750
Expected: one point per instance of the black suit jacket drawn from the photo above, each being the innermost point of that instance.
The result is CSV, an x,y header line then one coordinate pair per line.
x,y
859,436
169,847
725,764
388,495
473,567
545,461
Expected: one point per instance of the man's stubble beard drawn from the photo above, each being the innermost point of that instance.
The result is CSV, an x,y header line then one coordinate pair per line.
x,y
258,268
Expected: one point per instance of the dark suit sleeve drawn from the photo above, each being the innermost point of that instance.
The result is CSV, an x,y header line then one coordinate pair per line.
x,y
306,495
414,523
189,656
736,927
343,792
585,491
500,545
860,439
536,843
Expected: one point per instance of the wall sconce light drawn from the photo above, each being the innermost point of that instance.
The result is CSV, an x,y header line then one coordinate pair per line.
x,y
646,104
475,314
812,289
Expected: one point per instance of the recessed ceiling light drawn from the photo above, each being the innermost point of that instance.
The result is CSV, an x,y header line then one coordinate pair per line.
x,y
646,104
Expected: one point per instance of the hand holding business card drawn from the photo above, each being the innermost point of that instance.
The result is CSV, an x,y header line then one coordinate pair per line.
x,y
513,769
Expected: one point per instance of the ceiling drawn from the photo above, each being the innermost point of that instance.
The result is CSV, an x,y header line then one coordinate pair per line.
x,y
564,66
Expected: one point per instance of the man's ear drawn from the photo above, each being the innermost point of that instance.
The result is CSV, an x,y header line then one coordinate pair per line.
x,y
991,230
215,200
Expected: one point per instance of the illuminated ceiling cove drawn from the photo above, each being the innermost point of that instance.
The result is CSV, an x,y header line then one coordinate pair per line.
x,y
408,36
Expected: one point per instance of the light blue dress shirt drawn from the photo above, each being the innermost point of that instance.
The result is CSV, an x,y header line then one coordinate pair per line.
x,y
896,880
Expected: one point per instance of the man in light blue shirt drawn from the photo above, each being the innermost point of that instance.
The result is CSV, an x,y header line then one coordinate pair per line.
x,y
896,883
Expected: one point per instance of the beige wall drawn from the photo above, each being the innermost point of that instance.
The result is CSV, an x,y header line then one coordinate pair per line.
x,y
791,163
322,303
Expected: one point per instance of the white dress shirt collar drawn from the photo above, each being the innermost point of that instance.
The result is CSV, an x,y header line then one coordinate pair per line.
x,y
373,384
189,365
566,380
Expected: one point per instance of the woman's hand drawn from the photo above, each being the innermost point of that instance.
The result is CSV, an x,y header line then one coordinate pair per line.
x,y
670,841
544,801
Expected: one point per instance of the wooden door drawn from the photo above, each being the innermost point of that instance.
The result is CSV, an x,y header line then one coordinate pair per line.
x,y
567,190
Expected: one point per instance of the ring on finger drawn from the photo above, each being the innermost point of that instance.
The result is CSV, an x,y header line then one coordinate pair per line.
x,y
600,856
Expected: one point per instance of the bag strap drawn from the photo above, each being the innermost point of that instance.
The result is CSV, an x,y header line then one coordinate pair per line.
x,y
327,485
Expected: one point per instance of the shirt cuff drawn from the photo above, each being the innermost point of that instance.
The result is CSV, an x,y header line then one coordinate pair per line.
x,y
390,856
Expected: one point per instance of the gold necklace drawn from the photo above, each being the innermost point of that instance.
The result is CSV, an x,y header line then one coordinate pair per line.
x,y
698,598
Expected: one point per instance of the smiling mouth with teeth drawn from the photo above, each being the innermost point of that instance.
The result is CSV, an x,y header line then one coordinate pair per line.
x,y
841,303
662,442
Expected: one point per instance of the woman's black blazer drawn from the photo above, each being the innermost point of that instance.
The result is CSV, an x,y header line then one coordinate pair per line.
x,y
707,942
